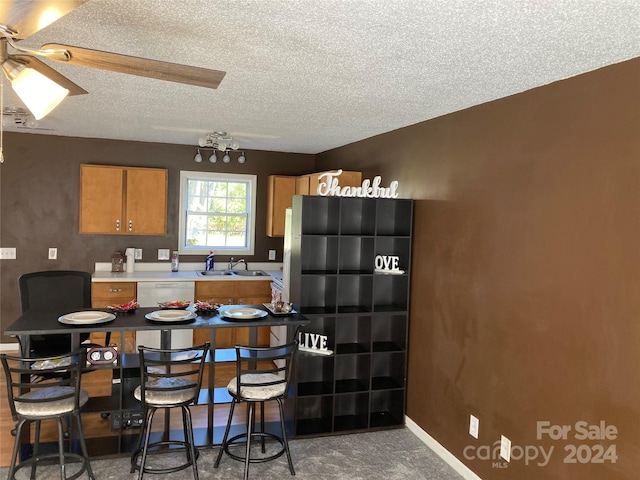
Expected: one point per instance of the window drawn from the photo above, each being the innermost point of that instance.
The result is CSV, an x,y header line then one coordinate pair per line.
x,y
217,212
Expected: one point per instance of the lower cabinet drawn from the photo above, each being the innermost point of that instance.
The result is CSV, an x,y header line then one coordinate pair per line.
x,y
104,294
233,292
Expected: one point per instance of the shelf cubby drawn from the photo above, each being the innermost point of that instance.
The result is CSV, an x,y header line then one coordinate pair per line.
x,y
353,335
354,293
323,214
396,246
356,254
351,412
394,217
315,374
389,333
387,408
320,254
318,294
352,373
391,292
388,370
358,217
314,415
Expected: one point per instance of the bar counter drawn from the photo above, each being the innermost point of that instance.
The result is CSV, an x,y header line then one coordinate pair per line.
x,y
120,405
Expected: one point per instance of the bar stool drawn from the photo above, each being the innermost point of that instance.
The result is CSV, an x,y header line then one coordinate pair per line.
x,y
39,391
169,378
262,374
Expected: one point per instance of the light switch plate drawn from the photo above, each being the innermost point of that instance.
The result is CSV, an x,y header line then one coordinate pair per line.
x,y
53,253
8,253
163,254
138,254
272,254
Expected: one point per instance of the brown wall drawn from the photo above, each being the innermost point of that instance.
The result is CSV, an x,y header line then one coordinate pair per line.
x,y
526,270
39,188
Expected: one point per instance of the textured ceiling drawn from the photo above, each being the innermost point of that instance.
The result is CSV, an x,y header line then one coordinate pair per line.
x,y
311,75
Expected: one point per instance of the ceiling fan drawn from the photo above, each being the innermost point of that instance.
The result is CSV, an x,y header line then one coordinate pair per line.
x,y
21,18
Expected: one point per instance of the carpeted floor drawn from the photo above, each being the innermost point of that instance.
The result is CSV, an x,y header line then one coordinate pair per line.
x,y
389,455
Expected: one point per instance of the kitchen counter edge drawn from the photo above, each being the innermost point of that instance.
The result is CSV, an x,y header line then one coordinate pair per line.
x,y
174,277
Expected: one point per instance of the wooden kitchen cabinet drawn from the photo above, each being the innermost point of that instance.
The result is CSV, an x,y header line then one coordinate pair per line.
x,y
123,200
233,292
280,191
104,294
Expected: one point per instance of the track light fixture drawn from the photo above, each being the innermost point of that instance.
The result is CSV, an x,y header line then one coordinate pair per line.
x,y
219,141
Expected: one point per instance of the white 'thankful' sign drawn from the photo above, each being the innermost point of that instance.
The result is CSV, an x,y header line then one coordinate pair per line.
x,y
329,186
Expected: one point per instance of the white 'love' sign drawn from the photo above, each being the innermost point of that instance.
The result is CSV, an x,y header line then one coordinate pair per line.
x,y
387,262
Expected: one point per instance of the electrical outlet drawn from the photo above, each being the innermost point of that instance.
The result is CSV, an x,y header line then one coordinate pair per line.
x,y
474,425
53,253
138,254
272,254
8,253
505,448
163,254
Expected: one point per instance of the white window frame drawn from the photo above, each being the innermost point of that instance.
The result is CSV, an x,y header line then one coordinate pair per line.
x,y
251,180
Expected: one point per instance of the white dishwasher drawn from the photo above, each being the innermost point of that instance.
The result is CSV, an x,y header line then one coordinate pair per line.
x,y
150,294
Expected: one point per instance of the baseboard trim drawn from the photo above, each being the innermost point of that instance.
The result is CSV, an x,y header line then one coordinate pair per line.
x,y
9,347
439,450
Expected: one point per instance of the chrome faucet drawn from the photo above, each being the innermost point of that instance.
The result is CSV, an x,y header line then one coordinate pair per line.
x,y
233,264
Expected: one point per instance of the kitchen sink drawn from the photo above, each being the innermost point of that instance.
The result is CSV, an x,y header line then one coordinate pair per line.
x,y
239,273
250,273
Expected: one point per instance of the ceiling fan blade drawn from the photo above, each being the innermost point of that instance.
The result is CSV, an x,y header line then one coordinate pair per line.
x,y
171,72
50,73
26,17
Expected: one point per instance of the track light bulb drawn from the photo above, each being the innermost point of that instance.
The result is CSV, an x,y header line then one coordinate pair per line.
x,y
213,158
241,158
226,158
198,157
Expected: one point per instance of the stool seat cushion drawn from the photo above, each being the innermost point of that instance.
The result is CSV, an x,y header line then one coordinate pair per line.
x,y
52,407
178,391
259,392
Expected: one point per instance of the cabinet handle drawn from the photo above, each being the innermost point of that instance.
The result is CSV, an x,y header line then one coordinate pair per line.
x,y
130,225
118,225
115,290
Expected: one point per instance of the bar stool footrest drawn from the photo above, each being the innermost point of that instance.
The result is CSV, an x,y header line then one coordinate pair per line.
x,y
235,441
54,459
166,443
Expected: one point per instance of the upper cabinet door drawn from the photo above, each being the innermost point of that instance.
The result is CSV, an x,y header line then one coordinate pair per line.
x,y
146,201
101,199
281,190
123,200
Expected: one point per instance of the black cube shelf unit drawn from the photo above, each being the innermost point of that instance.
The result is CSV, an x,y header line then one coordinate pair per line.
x,y
364,314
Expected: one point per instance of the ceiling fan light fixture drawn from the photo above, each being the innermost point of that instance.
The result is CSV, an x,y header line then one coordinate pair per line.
x,y
39,93
222,146
234,145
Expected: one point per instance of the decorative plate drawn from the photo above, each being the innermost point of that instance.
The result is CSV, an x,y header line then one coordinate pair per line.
x,y
240,314
86,318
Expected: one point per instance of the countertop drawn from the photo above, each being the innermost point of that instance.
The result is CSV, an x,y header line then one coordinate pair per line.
x,y
161,273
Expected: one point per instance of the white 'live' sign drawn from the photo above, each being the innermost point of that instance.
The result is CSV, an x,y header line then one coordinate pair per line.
x,y
329,186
